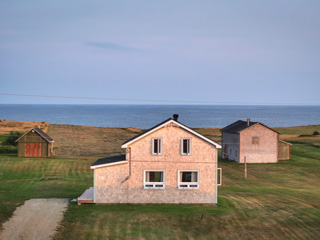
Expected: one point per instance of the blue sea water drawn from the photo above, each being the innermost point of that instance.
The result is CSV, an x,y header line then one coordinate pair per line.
x,y
146,116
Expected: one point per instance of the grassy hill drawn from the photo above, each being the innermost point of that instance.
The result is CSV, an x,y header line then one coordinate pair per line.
x,y
277,201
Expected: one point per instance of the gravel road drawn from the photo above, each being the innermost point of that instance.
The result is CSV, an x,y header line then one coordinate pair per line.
x,y
36,219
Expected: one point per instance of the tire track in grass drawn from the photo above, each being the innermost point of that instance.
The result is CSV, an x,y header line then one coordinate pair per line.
x,y
287,230
118,228
127,222
113,230
95,227
101,226
300,220
231,228
303,220
107,229
290,233
279,223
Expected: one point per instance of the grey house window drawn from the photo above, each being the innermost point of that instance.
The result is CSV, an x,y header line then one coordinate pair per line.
x,y
255,140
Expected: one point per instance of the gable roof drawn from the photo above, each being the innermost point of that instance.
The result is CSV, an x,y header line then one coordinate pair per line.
x,y
40,132
240,125
109,161
163,124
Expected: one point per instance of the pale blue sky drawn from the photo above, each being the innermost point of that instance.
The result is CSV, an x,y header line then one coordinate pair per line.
x,y
245,51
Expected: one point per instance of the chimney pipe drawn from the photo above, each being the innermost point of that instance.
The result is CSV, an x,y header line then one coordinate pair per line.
x,y
175,117
248,122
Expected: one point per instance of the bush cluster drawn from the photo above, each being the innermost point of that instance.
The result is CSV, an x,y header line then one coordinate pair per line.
x,y
11,139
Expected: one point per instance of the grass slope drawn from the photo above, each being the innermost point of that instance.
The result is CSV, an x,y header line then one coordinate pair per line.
x,y
277,201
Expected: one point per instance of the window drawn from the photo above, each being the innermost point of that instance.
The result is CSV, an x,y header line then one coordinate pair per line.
x,y
255,140
153,179
185,146
156,146
188,179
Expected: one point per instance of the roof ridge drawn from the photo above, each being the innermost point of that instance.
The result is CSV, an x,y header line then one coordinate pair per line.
x,y
43,134
124,145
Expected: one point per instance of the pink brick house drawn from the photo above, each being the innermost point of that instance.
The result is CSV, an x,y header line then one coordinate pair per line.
x,y
169,163
253,141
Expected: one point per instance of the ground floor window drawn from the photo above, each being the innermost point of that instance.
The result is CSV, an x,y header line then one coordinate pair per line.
x,y
153,179
188,179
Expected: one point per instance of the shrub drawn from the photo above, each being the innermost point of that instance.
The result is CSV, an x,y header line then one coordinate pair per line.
x,y
8,149
316,133
11,139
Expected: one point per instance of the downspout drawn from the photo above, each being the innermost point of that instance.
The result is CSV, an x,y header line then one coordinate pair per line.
x,y
127,178
217,175
94,187
239,142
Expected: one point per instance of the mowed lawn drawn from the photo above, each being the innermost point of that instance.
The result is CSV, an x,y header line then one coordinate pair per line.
x,y
277,201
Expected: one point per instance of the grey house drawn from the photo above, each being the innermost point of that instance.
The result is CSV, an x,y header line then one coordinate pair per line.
x,y
252,142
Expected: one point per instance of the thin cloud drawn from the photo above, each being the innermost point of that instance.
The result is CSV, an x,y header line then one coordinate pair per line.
x,y
113,46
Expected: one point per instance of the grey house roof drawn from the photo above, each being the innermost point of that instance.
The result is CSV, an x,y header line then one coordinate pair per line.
x,y
240,125
40,132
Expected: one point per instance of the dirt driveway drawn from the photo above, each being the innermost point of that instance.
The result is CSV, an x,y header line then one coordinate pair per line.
x,y
36,219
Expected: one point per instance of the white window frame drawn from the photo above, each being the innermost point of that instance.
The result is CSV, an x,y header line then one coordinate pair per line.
x,y
153,185
189,185
219,176
181,146
159,146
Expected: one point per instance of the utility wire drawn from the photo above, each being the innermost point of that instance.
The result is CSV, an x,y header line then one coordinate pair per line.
x,y
156,100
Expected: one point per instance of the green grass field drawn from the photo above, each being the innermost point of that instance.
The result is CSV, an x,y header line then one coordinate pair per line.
x,y
277,201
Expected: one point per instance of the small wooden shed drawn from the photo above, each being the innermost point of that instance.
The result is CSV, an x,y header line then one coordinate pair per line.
x,y
35,143
284,150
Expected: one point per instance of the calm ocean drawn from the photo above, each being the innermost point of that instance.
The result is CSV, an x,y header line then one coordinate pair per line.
x,y
146,116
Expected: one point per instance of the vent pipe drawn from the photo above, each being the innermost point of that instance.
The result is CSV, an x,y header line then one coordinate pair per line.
x,y
175,117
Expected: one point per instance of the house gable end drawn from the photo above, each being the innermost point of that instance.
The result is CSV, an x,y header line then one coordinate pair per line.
x,y
39,132
168,123
261,125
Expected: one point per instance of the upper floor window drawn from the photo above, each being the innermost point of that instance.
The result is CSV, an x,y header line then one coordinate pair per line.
x,y
188,179
156,146
186,146
153,179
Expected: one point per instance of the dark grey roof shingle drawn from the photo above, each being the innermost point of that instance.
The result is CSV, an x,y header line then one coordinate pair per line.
x,y
237,126
43,134
107,160
241,125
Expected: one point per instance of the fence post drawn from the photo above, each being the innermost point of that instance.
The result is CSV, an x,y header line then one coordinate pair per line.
x,y
245,168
